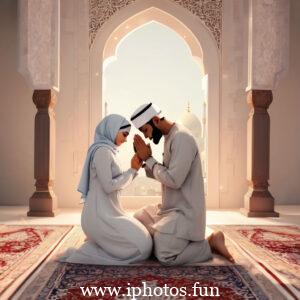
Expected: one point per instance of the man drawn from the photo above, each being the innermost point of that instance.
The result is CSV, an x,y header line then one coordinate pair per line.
x,y
178,223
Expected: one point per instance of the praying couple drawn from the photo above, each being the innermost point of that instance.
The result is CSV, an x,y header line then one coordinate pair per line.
x,y
174,229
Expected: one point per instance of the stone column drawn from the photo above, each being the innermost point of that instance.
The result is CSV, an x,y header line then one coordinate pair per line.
x,y
267,63
39,63
43,202
258,200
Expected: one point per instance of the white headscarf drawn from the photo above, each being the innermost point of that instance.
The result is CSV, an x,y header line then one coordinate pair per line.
x,y
105,135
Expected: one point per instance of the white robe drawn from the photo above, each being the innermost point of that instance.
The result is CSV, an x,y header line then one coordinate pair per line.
x,y
178,223
114,238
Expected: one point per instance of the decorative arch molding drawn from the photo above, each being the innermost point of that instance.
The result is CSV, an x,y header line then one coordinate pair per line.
x,y
208,11
210,57
153,14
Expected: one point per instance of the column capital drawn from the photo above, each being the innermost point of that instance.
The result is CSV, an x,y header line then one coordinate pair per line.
x,y
268,47
39,43
260,98
44,99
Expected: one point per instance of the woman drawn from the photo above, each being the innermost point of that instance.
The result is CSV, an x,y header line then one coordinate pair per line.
x,y
113,237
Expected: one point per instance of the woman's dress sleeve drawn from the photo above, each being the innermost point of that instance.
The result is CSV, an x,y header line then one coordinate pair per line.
x,y
102,161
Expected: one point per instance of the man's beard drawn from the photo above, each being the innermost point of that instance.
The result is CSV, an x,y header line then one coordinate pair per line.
x,y
156,134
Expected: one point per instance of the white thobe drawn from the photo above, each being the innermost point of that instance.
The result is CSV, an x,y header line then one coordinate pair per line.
x,y
114,238
179,221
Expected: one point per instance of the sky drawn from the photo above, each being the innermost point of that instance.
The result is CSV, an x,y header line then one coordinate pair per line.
x,y
152,64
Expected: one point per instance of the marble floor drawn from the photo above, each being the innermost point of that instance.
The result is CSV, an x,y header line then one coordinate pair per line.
x,y
17,215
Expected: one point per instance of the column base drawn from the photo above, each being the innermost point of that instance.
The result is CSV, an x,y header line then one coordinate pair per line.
x,y
259,204
253,214
43,204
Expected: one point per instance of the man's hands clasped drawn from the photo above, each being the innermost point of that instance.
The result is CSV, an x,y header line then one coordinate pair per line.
x,y
143,151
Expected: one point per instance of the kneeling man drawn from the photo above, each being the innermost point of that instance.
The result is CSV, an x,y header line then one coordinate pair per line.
x,y
178,223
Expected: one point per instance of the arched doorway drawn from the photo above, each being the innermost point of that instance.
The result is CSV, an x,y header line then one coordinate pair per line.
x,y
203,47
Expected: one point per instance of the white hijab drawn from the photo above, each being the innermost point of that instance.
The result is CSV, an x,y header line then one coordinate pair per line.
x,y
105,135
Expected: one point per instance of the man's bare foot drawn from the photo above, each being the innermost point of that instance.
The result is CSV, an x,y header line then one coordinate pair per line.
x,y
217,243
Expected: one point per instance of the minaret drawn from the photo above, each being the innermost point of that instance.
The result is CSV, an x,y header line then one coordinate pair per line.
x,y
188,107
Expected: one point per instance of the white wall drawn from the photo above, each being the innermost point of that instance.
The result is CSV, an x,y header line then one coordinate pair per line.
x,y
285,123
16,116
72,109
234,108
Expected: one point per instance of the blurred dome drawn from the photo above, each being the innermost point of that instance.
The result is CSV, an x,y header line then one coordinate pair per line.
x,y
191,121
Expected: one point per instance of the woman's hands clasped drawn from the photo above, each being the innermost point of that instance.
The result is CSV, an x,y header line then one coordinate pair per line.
x,y
136,163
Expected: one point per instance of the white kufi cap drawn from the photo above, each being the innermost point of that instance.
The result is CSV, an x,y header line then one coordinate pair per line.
x,y
144,114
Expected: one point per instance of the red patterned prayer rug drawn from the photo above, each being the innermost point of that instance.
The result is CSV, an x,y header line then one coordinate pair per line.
x,y
151,280
276,248
23,248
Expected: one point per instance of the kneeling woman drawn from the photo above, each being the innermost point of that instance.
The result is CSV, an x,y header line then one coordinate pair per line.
x,y
113,237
